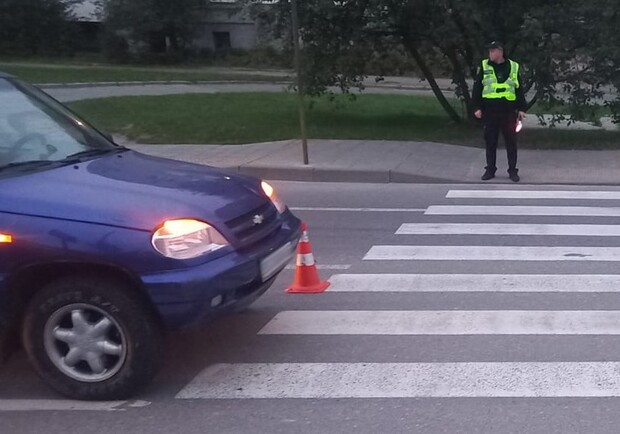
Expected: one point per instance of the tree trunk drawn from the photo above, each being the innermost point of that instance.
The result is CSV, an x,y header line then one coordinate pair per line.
x,y
461,81
413,49
532,102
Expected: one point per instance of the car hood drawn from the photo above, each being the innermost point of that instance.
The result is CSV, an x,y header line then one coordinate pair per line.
x,y
132,190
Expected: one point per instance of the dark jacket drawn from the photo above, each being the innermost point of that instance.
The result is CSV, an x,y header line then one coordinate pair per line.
x,y
502,71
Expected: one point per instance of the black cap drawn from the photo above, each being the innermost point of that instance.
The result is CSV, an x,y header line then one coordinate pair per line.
x,y
495,44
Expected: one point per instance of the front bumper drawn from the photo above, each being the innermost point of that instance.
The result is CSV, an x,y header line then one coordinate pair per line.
x,y
194,295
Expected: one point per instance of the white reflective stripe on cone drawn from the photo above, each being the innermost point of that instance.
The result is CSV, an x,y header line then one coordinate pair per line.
x,y
305,259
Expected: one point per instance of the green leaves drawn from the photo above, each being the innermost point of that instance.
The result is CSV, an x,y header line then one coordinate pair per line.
x,y
569,49
34,27
155,26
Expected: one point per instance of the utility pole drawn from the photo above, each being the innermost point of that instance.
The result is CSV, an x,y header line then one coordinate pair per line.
x,y
299,81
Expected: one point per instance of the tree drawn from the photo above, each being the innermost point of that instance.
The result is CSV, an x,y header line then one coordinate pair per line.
x,y
35,26
606,54
334,45
155,26
558,42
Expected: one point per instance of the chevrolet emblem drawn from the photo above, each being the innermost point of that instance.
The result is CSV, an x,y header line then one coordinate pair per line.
x,y
258,219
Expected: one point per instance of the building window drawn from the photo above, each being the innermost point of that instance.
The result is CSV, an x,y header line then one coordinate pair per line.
x,y
221,41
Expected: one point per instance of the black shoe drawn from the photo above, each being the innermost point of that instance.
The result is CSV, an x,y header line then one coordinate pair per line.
x,y
488,174
514,177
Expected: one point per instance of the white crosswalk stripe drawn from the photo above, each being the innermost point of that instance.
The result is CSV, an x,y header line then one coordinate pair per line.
x,y
514,210
385,322
533,194
336,209
405,380
492,253
592,283
508,229
455,378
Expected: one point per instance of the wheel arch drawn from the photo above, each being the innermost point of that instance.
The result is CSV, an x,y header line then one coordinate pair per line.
x,y
26,282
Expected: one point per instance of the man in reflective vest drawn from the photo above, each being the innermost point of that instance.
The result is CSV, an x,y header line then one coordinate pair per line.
x,y
499,101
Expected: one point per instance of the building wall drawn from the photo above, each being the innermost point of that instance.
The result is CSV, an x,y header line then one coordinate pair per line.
x,y
87,11
227,28
222,17
241,36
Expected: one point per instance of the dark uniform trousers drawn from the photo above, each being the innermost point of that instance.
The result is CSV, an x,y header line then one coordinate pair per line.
x,y
506,122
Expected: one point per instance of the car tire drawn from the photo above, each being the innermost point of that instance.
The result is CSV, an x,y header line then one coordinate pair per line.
x,y
92,338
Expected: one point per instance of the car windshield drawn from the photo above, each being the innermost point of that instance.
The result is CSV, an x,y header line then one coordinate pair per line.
x,y
35,129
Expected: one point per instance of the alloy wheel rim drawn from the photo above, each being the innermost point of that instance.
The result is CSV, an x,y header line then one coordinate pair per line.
x,y
85,343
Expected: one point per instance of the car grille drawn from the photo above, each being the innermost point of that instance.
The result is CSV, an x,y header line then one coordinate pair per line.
x,y
247,231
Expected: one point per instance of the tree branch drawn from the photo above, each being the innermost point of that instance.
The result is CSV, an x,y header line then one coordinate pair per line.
x,y
459,78
413,49
468,47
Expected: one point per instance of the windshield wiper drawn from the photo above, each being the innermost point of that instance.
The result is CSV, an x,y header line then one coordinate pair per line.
x,y
93,153
30,164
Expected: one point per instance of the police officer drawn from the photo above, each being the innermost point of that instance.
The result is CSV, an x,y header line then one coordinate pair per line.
x,y
499,100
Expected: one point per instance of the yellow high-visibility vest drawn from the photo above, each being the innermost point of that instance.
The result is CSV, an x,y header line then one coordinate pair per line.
x,y
491,89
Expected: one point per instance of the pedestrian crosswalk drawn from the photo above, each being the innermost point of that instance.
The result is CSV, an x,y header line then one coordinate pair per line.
x,y
508,229
398,323
516,210
491,253
534,194
482,242
555,283
405,380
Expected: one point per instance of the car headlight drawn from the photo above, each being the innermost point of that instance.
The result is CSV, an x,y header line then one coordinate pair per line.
x,y
270,192
186,239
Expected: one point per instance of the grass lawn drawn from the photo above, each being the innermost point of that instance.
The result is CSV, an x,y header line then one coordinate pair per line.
x,y
255,117
50,73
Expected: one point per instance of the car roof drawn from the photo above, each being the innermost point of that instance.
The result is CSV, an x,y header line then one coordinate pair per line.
x,y
5,75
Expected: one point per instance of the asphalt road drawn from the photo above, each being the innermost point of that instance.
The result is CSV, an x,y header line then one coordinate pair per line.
x,y
453,309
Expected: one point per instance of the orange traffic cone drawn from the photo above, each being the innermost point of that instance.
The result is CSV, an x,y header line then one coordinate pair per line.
x,y
307,278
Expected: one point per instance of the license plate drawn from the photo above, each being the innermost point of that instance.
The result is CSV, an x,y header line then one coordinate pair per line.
x,y
272,263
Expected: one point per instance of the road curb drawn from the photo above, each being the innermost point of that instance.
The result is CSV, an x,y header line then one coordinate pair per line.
x,y
319,174
315,174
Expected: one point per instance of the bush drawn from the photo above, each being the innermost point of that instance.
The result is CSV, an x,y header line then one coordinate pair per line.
x,y
35,27
391,61
116,48
163,58
262,57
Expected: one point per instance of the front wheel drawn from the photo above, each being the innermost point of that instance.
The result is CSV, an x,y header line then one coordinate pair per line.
x,y
92,338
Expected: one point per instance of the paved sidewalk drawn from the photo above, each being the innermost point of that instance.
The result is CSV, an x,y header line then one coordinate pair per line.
x,y
388,161
367,161
79,91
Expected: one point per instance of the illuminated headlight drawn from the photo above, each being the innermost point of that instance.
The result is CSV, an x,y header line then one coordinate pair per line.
x,y
186,239
273,196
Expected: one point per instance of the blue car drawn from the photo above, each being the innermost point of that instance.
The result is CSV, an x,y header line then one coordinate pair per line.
x,y
103,248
